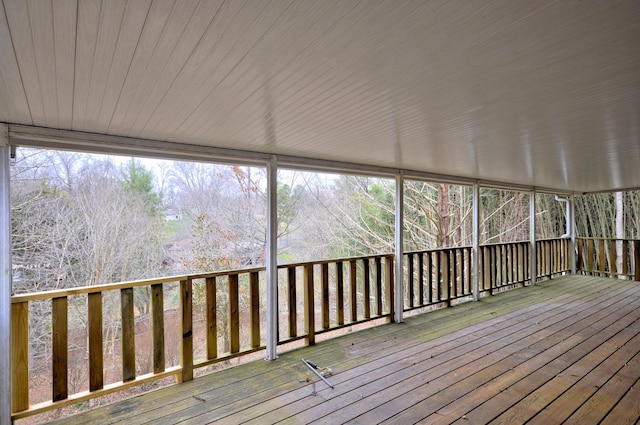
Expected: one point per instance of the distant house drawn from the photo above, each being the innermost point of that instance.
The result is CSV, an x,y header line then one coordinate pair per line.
x,y
172,215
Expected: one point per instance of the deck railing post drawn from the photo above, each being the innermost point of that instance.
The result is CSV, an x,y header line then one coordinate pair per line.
x,y
572,211
399,290
186,296
636,260
309,305
272,264
5,278
532,238
475,258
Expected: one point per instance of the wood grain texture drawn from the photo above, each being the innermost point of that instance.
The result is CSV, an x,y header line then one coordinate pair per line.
x,y
157,327
309,305
19,356
94,330
212,321
254,296
292,301
128,335
340,292
324,281
186,323
59,349
234,314
530,354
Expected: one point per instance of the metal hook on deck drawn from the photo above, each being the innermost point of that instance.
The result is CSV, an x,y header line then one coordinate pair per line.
x,y
314,368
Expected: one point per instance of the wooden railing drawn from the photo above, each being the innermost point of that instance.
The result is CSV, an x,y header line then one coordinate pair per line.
x,y
553,257
441,276
599,256
436,277
350,290
333,294
503,266
200,319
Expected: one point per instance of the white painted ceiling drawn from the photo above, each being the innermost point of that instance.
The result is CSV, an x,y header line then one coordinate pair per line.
x,y
532,92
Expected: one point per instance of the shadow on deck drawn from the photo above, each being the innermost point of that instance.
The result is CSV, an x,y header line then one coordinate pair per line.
x,y
564,350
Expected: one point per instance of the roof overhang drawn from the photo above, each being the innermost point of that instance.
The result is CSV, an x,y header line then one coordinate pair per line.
x,y
528,94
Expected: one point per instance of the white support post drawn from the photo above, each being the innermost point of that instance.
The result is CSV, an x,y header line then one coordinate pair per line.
x,y
533,260
475,243
5,278
572,222
272,263
399,284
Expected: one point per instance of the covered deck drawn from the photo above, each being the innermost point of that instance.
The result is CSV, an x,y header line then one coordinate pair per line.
x,y
566,350
539,97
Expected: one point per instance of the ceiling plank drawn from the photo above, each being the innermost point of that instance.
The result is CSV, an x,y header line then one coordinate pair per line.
x,y
17,13
65,13
13,99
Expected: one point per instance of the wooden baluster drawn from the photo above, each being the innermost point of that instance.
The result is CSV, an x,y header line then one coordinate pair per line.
x,y
636,260
94,312
460,266
378,265
498,260
324,275
591,255
367,288
353,280
157,326
19,357
613,256
444,269
212,319
254,296
128,335
552,256
602,265
482,278
494,265
510,263
438,275
389,285
59,348
625,258
580,259
429,278
451,254
548,255
293,310
186,296
539,260
309,305
410,281
234,314
520,262
421,279
340,292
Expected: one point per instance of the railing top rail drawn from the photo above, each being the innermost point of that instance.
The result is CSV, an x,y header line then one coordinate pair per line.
x,y
333,260
552,239
511,242
607,239
449,248
56,293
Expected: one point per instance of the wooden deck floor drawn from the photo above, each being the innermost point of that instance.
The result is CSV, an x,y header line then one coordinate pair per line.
x,y
565,351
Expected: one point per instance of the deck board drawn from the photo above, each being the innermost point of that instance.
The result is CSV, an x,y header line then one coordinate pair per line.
x,y
566,349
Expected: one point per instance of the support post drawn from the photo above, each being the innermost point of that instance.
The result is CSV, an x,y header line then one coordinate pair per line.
x,y
5,278
533,260
475,266
399,291
272,264
571,220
